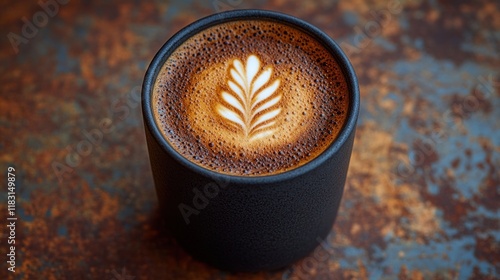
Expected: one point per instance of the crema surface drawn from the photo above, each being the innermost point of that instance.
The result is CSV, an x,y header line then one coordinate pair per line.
x,y
250,98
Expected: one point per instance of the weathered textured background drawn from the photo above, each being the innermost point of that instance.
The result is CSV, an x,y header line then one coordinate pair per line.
x,y
423,191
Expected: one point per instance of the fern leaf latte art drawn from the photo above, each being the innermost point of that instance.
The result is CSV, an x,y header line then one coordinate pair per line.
x,y
250,98
255,103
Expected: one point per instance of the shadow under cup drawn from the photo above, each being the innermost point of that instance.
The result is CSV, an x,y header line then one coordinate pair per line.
x,y
241,223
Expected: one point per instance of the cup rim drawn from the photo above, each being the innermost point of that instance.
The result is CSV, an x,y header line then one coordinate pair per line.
x,y
185,33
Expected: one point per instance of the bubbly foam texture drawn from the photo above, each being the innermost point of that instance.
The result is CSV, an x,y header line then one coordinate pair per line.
x,y
250,98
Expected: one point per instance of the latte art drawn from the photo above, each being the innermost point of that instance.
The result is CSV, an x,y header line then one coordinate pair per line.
x,y
252,98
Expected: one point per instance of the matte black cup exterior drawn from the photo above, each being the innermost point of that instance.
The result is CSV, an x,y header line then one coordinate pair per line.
x,y
249,223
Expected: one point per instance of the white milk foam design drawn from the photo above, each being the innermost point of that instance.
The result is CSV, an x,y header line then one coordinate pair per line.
x,y
253,107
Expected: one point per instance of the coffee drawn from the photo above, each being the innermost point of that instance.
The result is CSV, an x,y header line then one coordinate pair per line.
x,y
250,98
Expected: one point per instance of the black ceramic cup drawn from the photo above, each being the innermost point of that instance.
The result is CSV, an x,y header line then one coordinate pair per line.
x,y
241,223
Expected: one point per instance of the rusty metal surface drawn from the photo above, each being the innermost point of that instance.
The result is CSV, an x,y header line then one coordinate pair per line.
x,y
423,192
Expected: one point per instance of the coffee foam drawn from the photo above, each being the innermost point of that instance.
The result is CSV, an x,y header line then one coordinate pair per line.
x,y
250,98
